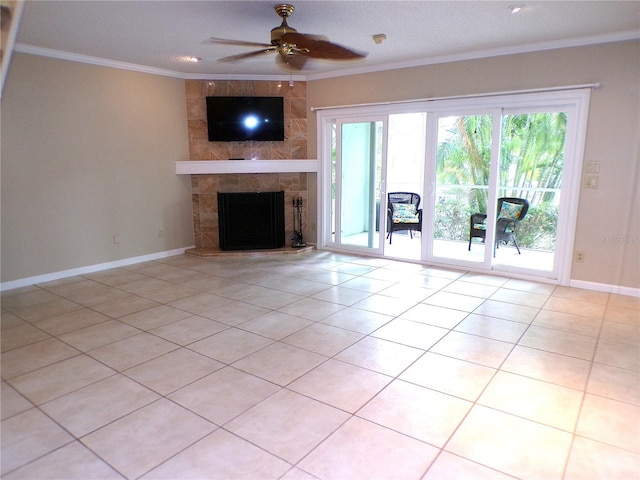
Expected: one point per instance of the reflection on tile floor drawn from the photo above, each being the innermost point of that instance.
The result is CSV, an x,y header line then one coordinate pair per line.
x,y
318,365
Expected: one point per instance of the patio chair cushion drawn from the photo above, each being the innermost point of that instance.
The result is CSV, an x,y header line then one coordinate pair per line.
x,y
510,210
404,213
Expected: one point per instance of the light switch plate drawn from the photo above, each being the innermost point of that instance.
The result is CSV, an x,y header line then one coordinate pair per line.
x,y
592,167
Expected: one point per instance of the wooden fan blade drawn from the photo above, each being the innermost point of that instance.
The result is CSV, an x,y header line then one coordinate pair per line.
x,y
291,62
242,56
310,36
240,43
321,48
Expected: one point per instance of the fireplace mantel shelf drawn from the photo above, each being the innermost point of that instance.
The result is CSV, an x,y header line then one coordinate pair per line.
x,y
198,167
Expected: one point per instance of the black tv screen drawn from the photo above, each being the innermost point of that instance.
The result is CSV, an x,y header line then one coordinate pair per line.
x,y
237,119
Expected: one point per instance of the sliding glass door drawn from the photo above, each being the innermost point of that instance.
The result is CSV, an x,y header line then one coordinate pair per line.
x,y
497,182
464,153
498,179
356,185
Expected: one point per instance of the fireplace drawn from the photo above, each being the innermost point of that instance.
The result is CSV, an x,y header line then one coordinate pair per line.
x,y
251,220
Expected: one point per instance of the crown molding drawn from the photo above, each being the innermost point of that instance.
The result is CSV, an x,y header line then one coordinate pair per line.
x,y
102,62
229,76
495,52
15,13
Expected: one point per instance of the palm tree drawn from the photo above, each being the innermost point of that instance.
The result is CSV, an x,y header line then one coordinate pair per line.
x,y
532,153
531,161
464,158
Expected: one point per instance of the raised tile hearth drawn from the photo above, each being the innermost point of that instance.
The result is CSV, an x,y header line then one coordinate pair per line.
x,y
216,252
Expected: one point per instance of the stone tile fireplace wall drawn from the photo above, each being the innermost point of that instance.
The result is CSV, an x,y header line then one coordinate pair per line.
x,y
204,188
205,202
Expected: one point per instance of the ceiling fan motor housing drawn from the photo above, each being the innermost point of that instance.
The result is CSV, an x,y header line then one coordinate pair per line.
x,y
283,10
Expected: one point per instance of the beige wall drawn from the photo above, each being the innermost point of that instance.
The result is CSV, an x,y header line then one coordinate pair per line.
x,y
607,230
88,153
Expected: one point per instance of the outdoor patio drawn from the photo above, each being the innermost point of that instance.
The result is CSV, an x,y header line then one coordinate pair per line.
x,y
405,247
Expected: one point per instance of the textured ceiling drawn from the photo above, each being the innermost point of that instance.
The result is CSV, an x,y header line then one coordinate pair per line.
x,y
160,34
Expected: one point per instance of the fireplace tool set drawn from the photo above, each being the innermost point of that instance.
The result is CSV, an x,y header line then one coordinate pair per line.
x,y
297,224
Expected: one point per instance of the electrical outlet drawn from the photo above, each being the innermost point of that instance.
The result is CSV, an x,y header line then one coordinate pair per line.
x,y
591,181
160,233
579,257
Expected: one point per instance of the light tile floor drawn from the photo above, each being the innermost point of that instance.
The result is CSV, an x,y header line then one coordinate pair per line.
x,y
317,365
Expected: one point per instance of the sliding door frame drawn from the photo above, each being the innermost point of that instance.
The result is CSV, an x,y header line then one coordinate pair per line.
x,y
339,201
430,182
573,100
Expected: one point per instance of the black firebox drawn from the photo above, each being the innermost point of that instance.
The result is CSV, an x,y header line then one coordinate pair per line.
x,y
251,220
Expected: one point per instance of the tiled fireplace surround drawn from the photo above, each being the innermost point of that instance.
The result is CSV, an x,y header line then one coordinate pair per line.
x,y
204,187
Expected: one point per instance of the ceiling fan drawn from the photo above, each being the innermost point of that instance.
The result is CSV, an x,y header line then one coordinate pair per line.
x,y
293,48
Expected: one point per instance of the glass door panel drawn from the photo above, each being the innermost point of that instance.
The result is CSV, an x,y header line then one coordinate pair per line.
x,y
405,173
461,186
356,180
531,167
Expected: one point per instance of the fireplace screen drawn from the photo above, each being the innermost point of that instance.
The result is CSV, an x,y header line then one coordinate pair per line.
x,y
251,220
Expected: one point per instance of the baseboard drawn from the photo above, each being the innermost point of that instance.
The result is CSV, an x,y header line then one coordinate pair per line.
x,y
49,277
605,287
599,287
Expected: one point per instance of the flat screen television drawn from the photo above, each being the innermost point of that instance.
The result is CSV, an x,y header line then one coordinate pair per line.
x,y
238,119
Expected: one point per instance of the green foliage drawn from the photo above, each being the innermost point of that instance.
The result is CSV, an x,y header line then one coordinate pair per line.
x,y
531,162
464,158
452,219
538,229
